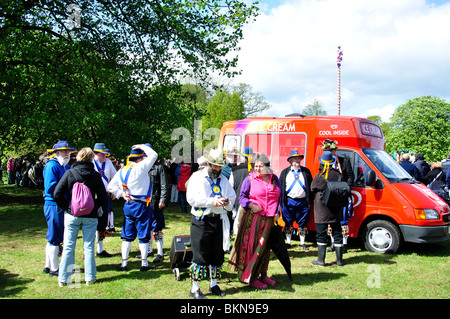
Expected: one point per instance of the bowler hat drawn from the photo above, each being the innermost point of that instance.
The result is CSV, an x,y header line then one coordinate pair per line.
x,y
248,150
295,153
327,158
61,145
100,148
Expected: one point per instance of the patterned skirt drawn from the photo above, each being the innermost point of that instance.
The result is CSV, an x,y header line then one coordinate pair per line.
x,y
251,254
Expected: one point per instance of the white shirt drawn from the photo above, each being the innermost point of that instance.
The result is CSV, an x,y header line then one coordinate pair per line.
x,y
109,171
198,193
297,191
139,179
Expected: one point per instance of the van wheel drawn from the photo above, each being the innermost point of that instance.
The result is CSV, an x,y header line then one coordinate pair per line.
x,y
382,236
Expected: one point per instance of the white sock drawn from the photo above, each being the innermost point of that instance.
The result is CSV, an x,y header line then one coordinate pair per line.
x,y
344,240
126,247
143,247
47,256
302,239
332,239
53,255
195,286
111,220
150,244
159,246
288,238
99,246
213,281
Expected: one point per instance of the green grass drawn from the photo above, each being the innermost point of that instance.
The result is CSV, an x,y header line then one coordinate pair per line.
x,y
417,271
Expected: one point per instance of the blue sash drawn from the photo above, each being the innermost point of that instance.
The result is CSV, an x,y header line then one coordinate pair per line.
x,y
297,179
215,190
101,170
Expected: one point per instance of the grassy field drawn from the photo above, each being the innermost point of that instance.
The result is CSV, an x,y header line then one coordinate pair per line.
x,y
416,272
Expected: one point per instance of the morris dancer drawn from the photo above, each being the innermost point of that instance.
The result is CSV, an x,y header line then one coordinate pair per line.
x,y
297,197
211,196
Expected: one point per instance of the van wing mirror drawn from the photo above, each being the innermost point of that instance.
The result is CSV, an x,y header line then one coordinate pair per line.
x,y
371,178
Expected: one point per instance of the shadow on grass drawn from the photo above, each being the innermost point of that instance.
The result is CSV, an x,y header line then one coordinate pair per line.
x,y
284,284
11,284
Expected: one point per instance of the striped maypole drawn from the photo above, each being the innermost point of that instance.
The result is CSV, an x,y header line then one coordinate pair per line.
x,y
339,62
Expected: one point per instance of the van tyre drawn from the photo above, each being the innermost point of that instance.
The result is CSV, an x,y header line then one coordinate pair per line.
x,y
382,236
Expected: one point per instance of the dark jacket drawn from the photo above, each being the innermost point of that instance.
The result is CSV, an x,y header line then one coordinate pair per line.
x,y
423,168
433,174
91,179
307,177
347,172
240,172
160,184
322,213
411,169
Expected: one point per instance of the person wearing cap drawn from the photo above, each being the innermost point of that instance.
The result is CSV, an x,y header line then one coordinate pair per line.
x,y
106,169
324,215
297,198
211,196
132,182
54,170
344,166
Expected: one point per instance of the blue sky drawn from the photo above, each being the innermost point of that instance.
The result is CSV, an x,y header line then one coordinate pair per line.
x,y
394,50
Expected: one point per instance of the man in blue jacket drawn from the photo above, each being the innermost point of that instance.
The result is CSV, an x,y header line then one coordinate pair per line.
x,y
53,172
410,167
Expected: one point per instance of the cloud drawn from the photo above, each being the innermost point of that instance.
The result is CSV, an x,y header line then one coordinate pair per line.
x,y
393,51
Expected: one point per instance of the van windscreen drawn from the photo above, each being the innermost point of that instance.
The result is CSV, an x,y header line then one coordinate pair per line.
x,y
385,163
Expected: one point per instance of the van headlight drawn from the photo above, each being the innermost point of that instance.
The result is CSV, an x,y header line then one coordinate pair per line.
x,y
428,214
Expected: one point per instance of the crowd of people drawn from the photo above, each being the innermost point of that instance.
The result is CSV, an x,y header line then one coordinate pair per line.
x,y
428,173
227,194
233,194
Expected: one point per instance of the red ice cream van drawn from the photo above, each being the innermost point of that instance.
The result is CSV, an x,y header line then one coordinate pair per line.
x,y
389,206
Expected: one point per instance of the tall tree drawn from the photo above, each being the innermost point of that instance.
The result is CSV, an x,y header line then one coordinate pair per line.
x,y
314,109
223,107
423,125
254,102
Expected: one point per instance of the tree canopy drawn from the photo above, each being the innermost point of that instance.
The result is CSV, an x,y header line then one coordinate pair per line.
x,y
107,70
421,125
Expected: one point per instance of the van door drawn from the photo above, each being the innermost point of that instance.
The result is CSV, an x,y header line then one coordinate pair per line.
x,y
381,234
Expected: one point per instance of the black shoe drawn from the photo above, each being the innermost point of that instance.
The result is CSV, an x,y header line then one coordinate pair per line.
x,y
122,268
197,295
46,270
145,268
305,248
53,273
217,291
104,254
158,259
288,246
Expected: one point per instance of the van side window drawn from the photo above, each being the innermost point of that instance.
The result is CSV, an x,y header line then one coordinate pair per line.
x,y
359,166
